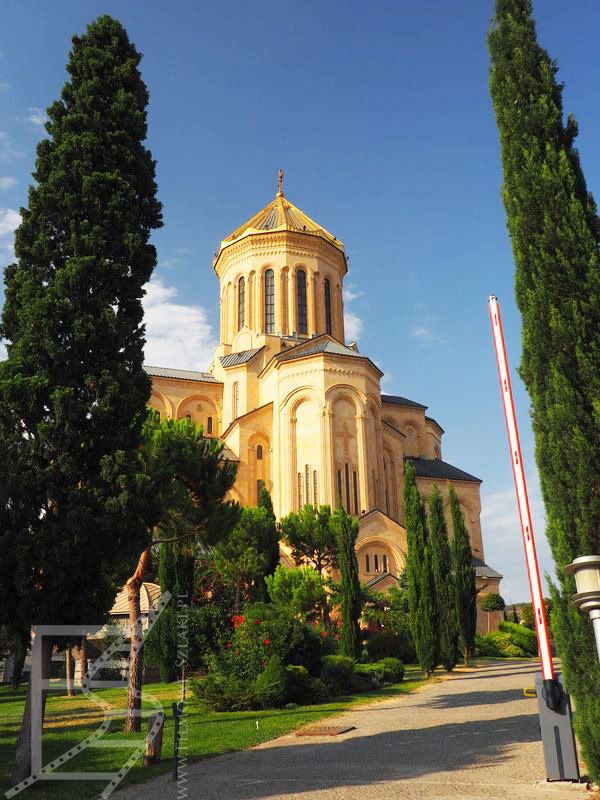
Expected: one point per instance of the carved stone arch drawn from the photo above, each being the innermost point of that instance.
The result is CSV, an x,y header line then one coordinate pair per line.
x,y
208,408
258,464
367,543
162,403
345,390
299,395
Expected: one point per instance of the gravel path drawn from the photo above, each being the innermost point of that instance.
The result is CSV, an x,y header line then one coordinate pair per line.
x,y
472,736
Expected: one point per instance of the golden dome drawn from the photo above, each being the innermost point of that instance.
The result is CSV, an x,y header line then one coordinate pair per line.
x,y
279,215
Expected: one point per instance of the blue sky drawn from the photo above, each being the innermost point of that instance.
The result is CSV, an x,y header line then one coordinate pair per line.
x,y
380,115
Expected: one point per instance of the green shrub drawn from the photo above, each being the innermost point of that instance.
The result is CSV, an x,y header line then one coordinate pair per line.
x,y
521,636
318,691
337,673
218,692
393,669
384,644
271,684
375,674
298,688
498,645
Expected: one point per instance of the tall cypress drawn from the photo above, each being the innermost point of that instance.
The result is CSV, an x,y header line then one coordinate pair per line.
x,y
346,532
555,235
272,542
419,575
73,392
464,578
443,581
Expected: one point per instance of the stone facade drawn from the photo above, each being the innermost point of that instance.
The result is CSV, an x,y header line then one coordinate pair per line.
x,y
300,410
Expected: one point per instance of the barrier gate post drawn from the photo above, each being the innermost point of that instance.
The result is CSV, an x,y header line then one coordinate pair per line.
x,y
554,706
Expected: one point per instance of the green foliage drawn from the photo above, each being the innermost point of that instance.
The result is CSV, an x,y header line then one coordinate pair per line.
x,y
337,673
521,636
498,645
345,528
311,538
443,581
553,223
298,686
73,506
374,672
421,599
492,602
384,644
299,590
527,613
271,544
393,669
464,577
271,684
220,692
241,559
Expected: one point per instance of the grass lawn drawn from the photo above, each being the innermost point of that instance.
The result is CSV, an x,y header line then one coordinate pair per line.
x,y
70,720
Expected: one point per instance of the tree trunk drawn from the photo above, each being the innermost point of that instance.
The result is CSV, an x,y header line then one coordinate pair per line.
x,y
133,720
22,767
82,660
69,671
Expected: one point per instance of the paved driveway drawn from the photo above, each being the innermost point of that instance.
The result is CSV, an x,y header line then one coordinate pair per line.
x,y
473,736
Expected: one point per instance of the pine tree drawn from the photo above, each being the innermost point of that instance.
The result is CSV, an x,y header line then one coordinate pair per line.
x,y
345,529
555,234
443,581
72,389
464,577
419,576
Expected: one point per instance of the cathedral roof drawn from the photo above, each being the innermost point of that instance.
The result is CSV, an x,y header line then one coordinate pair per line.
x,y
482,570
436,468
234,359
280,215
180,374
321,345
396,400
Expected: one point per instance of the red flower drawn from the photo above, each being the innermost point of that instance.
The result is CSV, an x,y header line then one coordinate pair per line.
x,y
257,622
323,633
266,642
228,644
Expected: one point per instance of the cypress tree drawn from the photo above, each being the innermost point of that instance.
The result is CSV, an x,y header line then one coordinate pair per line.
x,y
72,390
444,584
345,528
554,228
272,534
464,578
419,576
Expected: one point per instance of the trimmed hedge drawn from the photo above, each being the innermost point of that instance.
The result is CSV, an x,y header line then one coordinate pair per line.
x,y
521,636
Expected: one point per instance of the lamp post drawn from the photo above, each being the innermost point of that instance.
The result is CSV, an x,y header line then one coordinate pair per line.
x,y
586,570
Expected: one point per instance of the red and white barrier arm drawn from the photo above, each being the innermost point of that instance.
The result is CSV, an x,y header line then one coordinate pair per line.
x,y
533,570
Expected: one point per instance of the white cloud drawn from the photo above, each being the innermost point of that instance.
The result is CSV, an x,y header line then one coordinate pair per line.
x,y
9,222
7,182
4,86
37,117
353,324
8,152
503,542
426,333
177,335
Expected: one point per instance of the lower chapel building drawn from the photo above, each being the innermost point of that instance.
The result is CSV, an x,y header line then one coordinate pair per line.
x,y
299,409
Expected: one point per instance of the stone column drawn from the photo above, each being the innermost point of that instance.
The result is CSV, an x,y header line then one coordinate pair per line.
x,y
292,317
311,305
363,474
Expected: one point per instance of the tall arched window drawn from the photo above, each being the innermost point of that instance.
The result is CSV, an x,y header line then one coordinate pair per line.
x,y
259,453
241,303
385,564
209,425
301,301
269,301
367,563
235,399
327,291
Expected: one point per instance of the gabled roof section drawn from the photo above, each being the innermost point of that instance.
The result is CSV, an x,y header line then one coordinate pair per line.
x,y
435,422
280,215
436,468
320,344
384,576
235,359
396,400
180,374
482,570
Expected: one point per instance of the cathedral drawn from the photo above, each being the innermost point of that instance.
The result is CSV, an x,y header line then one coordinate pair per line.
x,y
299,409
